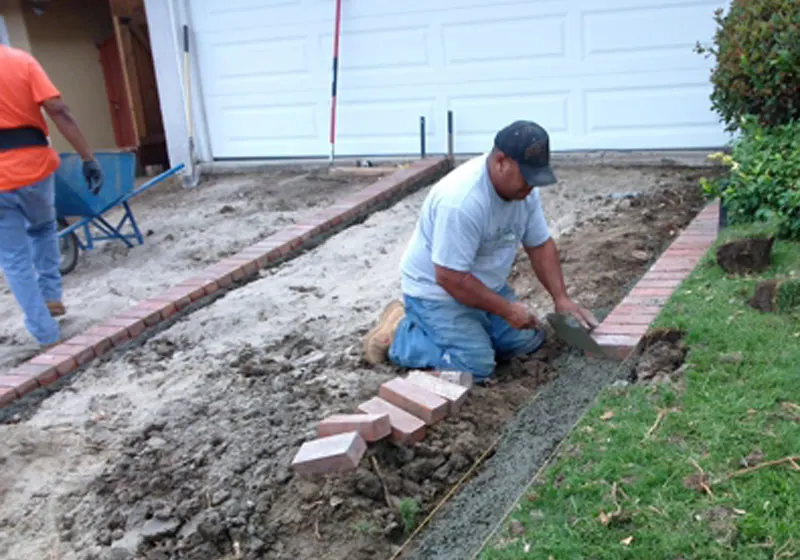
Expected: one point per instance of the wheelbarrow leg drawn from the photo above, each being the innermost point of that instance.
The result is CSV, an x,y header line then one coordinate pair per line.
x,y
129,216
89,237
113,233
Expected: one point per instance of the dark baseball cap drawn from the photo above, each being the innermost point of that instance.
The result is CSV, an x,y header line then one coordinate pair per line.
x,y
528,144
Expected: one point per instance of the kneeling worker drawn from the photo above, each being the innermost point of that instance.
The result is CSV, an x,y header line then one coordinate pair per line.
x,y
459,313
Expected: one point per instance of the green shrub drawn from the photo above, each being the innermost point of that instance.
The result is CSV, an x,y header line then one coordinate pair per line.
x,y
764,179
757,71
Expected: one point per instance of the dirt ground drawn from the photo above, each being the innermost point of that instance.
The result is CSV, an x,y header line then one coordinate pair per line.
x,y
180,448
185,231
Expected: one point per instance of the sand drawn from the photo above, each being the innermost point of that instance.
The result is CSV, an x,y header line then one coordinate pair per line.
x,y
179,447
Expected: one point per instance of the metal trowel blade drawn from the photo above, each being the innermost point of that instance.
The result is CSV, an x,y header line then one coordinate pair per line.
x,y
570,331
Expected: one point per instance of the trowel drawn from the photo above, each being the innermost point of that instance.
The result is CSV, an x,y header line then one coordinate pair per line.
x,y
570,331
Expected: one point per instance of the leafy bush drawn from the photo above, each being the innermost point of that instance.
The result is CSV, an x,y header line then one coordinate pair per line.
x,y
764,179
757,72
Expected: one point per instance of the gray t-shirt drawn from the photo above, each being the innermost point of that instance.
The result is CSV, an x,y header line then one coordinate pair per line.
x,y
464,225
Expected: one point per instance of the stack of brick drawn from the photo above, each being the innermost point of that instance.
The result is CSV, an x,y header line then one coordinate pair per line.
x,y
401,412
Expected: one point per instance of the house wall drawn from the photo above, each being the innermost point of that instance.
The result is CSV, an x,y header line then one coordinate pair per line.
x,y
165,19
15,24
64,40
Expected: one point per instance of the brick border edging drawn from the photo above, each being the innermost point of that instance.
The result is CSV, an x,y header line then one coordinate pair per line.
x,y
183,298
621,332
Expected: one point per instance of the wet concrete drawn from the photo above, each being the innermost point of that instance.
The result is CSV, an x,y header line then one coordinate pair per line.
x,y
461,527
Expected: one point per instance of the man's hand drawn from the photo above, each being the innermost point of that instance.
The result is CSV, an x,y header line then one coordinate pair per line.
x,y
93,174
584,316
519,317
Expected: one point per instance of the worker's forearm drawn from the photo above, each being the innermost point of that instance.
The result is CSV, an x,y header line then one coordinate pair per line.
x,y
68,127
547,267
469,291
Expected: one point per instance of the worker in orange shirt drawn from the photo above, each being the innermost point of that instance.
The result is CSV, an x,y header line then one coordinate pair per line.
x,y
29,252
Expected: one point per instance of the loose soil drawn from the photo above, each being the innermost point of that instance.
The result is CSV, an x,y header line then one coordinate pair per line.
x,y
180,447
745,256
777,294
185,230
662,354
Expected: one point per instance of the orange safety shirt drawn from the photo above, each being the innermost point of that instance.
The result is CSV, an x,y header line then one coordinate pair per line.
x,y
24,85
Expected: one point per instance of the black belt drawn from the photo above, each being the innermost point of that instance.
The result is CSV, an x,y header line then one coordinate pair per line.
x,y
23,137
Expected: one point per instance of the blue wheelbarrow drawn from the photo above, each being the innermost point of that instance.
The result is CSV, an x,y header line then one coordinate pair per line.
x,y
77,209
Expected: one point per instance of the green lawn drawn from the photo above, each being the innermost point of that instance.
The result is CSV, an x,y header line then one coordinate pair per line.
x,y
616,493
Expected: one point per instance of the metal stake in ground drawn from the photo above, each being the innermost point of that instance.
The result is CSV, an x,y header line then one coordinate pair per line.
x,y
422,137
450,134
335,77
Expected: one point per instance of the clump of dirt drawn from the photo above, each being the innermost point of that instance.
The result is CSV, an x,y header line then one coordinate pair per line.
x,y
745,256
183,490
777,294
662,355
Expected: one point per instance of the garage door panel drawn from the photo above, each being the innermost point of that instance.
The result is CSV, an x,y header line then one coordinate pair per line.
x,y
374,119
216,15
620,74
511,39
255,126
479,115
378,50
646,29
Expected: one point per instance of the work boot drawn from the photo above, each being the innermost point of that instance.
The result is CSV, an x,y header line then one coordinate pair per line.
x,y
379,340
56,308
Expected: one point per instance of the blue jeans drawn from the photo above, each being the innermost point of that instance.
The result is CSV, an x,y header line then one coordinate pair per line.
x,y
30,256
447,335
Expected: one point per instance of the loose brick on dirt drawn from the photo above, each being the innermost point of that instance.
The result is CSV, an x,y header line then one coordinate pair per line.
x,y
341,452
452,393
414,399
406,428
372,427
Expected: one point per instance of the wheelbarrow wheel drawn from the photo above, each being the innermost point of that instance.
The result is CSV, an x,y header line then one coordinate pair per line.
x,y
69,249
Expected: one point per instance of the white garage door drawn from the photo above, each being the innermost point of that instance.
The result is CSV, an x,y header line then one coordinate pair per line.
x,y
598,74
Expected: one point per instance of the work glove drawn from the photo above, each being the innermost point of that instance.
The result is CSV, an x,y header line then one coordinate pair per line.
x,y
93,174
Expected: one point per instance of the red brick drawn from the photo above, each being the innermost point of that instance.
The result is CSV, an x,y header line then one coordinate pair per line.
x,y
62,364
454,394
629,330
657,292
631,309
22,384
664,276
82,353
372,427
143,312
650,283
44,374
338,453
617,346
413,399
179,296
646,300
628,319
156,310
7,396
133,325
202,287
117,335
99,343
406,428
